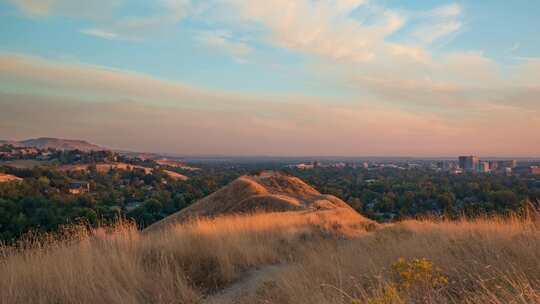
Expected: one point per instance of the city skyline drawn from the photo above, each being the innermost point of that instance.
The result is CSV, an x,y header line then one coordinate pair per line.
x,y
282,78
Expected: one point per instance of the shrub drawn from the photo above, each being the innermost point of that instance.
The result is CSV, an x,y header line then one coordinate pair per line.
x,y
416,280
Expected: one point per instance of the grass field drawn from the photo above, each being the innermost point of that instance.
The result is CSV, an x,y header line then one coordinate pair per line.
x,y
294,257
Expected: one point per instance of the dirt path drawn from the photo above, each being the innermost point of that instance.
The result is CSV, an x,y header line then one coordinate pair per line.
x,y
247,285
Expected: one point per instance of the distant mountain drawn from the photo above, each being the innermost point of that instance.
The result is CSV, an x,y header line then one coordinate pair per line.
x,y
9,142
60,144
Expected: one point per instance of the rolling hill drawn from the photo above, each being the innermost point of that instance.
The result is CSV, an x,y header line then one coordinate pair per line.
x,y
55,143
267,192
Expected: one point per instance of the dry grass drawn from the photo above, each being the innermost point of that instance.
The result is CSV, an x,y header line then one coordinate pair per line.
x,y
267,192
121,265
175,175
481,261
6,178
176,164
328,256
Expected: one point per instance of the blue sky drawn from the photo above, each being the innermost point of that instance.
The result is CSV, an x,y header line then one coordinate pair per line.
x,y
393,68
174,55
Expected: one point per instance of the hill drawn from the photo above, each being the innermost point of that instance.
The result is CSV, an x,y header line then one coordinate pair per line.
x,y
60,144
9,142
267,192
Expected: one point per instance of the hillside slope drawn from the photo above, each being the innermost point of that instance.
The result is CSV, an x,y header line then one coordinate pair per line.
x,y
266,192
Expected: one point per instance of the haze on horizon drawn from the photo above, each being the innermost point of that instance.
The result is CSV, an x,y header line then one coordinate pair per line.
x,y
281,77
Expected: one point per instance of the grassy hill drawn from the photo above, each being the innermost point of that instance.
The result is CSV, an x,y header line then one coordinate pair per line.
x,y
268,191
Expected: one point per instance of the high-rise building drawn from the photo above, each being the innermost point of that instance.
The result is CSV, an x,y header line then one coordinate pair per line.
x,y
483,167
468,163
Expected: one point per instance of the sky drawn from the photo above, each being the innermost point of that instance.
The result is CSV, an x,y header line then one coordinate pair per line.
x,y
275,78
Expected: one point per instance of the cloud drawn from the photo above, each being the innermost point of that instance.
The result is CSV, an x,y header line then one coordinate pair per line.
x,y
406,73
527,73
223,40
95,9
410,99
348,31
100,33
137,28
323,28
87,80
304,130
448,10
133,111
109,17
435,24
145,127
34,7
432,32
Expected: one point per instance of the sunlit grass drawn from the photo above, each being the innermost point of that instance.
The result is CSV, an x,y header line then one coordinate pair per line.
x,y
121,265
470,261
327,257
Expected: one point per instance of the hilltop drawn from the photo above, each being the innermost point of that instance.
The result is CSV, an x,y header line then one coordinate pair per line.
x,y
268,191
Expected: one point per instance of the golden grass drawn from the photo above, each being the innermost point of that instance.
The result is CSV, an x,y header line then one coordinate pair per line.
x,y
6,178
267,192
485,261
121,265
327,257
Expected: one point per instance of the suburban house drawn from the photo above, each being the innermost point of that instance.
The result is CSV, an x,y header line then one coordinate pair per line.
x,y
79,187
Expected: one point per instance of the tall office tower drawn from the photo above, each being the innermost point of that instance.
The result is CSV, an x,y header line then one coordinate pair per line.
x,y
468,163
483,167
